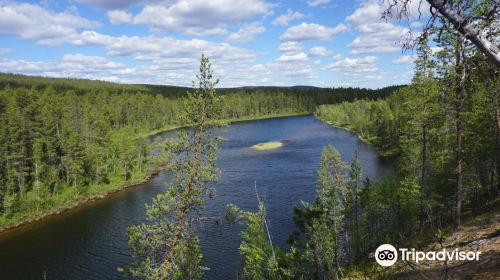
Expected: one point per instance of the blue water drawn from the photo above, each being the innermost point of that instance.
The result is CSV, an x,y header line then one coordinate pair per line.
x,y
89,242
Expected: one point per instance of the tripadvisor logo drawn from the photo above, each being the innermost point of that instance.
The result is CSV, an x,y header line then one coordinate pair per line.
x,y
387,255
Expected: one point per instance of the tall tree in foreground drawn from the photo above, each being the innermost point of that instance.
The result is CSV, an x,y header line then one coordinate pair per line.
x,y
331,198
166,247
317,247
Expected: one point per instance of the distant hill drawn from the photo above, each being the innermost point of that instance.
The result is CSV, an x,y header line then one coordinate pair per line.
x,y
85,85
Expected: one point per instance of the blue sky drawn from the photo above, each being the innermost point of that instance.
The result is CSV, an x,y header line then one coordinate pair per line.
x,y
327,43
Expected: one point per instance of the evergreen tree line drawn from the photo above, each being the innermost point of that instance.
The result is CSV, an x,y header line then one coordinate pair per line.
x,y
416,127
442,132
65,139
335,233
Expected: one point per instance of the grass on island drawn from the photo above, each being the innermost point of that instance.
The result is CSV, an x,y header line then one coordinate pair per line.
x,y
267,146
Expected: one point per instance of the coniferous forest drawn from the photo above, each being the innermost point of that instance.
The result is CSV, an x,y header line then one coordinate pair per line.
x,y
424,173
65,140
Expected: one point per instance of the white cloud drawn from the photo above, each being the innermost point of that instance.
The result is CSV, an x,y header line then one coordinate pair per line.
x,y
5,51
90,38
179,52
319,51
80,62
199,16
311,31
119,17
405,59
367,13
293,72
29,21
290,47
246,33
377,35
112,4
316,3
348,65
285,19
293,57
71,65
416,24
374,77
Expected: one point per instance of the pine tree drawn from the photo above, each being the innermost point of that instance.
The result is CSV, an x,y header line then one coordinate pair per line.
x,y
167,246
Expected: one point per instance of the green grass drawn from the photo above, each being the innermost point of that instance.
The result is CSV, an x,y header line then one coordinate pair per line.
x,y
267,146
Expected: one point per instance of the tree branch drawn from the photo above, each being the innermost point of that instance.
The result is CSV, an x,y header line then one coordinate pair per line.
x,y
484,45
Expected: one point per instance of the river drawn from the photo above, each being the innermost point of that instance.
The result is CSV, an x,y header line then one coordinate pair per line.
x,y
89,242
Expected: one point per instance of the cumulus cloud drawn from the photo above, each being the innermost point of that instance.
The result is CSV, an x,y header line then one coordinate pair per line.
x,y
5,51
316,3
86,60
30,21
119,17
71,65
199,16
89,38
349,65
377,35
319,51
293,57
405,59
285,19
112,4
290,47
246,33
311,31
179,52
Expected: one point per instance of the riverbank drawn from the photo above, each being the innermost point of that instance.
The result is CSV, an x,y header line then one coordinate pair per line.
x,y
94,193
71,198
230,120
361,138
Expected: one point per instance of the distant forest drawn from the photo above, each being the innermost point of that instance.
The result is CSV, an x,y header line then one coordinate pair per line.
x,y
67,139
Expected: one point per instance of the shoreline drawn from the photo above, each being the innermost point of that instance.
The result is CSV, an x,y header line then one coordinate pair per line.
x,y
81,202
78,203
366,141
348,129
230,120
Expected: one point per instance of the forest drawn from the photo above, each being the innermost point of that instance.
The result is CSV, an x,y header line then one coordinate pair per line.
x,y
443,133
64,140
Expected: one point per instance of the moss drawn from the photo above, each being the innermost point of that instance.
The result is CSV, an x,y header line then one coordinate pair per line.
x,y
267,146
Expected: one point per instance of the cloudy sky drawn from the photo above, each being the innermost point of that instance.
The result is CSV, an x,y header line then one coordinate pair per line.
x,y
250,42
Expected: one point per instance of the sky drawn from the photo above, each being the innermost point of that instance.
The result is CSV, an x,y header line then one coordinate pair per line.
x,y
325,43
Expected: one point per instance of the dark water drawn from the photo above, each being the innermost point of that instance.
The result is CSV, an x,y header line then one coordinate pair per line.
x,y
89,242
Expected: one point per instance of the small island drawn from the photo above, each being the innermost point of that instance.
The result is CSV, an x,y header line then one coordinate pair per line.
x,y
267,146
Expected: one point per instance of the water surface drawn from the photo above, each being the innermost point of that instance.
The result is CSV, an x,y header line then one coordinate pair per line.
x,y
89,242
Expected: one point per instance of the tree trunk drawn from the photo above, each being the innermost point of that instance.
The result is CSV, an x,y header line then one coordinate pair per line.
x,y
460,80
484,45
497,128
423,175
336,246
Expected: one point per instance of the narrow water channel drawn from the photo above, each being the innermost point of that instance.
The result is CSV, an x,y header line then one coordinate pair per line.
x,y
89,242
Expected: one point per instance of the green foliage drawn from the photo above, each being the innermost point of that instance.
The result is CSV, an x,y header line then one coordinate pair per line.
x,y
90,136
442,131
255,249
166,247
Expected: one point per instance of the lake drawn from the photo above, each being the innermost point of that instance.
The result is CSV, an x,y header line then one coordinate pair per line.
x,y
89,242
